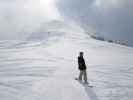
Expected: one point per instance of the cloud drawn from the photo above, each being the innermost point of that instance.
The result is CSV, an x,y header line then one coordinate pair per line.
x,y
111,18
18,17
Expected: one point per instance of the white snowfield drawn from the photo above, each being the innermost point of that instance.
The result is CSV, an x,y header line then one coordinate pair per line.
x,y
45,70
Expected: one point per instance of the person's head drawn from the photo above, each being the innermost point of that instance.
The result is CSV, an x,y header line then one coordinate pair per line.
x,y
81,54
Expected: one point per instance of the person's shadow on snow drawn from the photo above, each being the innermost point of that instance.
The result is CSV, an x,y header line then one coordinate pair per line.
x,y
91,94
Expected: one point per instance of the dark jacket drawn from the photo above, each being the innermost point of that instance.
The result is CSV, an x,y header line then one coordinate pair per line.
x,y
81,63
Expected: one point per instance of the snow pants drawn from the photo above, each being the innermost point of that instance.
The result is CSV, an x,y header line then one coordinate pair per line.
x,y
83,74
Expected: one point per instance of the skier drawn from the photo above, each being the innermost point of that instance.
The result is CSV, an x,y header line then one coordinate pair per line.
x,y
82,68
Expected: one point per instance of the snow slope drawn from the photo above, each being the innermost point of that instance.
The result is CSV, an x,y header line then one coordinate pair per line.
x,y
45,70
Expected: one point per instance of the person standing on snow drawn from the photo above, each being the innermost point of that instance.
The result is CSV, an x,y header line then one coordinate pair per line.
x,y
82,67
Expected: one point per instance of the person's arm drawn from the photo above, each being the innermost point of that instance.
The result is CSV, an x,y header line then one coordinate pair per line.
x,y
84,63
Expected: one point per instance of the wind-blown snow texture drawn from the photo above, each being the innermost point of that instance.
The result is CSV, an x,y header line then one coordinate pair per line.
x,y
45,70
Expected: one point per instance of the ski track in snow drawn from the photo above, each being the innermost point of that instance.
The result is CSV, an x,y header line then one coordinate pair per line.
x,y
45,70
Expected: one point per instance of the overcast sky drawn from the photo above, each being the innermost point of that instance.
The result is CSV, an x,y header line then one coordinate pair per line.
x,y
20,16
111,18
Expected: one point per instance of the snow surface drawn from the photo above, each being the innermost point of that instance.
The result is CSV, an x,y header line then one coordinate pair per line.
x,y
45,70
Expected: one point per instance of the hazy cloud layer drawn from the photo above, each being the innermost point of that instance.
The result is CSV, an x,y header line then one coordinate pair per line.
x,y
111,18
17,17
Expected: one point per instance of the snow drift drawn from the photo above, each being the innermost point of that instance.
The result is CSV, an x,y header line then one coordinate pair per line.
x,y
45,70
